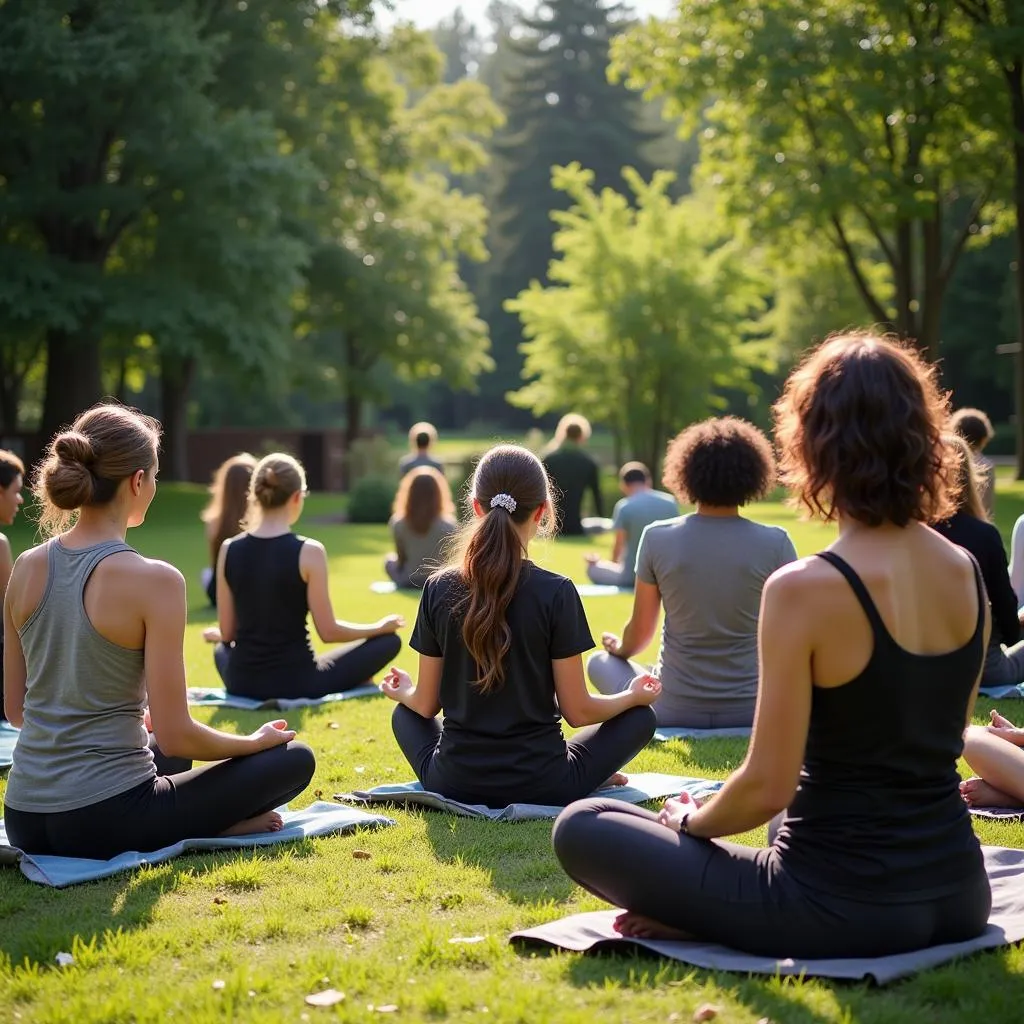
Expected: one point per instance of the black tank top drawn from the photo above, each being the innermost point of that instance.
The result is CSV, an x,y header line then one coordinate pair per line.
x,y
271,635
878,814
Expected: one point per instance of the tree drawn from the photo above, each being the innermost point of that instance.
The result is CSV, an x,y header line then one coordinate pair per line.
x,y
864,123
560,108
648,314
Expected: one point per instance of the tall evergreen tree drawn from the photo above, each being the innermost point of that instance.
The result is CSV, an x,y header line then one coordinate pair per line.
x,y
560,108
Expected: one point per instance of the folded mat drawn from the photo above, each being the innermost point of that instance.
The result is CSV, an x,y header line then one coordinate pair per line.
x,y
201,696
8,737
642,786
681,732
1002,692
593,932
319,819
601,590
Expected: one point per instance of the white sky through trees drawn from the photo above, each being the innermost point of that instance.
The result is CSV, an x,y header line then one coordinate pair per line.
x,y
427,13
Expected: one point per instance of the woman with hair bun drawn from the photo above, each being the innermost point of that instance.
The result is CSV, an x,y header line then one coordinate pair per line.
x,y
268,581
870,656
229,499
500,643
94,630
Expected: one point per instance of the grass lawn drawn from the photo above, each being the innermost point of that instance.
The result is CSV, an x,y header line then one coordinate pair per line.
x,y
276,925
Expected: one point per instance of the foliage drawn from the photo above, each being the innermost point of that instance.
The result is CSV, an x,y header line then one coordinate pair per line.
x,y
370,499
648,314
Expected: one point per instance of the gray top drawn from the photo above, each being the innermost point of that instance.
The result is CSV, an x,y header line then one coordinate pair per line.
x,y
82,739
423,552
634,514
710,572
414,460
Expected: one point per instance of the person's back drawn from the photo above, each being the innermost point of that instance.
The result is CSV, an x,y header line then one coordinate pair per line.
x,y
422,436
414,460
573,472
633,515
421,551
710,571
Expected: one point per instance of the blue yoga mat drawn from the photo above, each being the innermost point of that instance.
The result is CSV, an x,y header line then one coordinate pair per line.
x,y
663,735
319,819
1002,692
200,696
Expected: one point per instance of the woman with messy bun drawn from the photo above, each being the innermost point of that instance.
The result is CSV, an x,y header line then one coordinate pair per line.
x,y
94,632
501,642
268,581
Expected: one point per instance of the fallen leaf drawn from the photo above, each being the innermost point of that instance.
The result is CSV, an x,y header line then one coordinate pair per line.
x,y
220,900
362,854
706,1011
328,997
318,793
333,725
359,769
218,985
387,1008
466,939
64,959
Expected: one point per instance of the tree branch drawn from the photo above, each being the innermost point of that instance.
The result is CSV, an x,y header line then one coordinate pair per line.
x,y
880,314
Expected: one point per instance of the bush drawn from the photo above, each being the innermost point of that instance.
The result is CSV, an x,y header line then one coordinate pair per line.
x,y
370,500
371,457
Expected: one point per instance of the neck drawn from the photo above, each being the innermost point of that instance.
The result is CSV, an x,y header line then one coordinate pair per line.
x,y
98,524
717,511
849,526
273,523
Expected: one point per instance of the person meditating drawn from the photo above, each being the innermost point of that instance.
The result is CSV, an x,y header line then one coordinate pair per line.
x,y
422,520
222,517
573,472
708,570
268,581
871,654
12,479
422,437
500,642
94,631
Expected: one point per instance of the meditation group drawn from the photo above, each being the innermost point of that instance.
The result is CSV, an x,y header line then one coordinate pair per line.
x,y
855,669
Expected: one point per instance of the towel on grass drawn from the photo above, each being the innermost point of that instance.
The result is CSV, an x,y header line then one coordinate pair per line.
x,y
211,696
663,735
319,819
641,787
8,737
593,932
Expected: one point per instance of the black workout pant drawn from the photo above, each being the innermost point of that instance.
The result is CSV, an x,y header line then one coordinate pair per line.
x,y
591,756
742,897
342,669
200,803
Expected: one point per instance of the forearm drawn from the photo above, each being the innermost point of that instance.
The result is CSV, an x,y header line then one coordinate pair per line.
x,y
742,804
340,632
634,639
597,708
198,742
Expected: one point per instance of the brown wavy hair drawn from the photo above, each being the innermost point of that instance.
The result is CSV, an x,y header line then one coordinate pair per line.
x,y
967,477
490,553
423,497
859,432
11,467
85,464
229,500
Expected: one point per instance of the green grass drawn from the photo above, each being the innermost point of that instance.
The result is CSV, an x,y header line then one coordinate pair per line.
x,y
245,937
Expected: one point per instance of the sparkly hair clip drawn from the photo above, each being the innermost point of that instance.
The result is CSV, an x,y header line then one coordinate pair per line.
x,y
505,501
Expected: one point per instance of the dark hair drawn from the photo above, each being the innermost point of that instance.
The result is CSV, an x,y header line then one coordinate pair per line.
x,y
969,497
722,462
859,433
509,484
572,427
423,497
84,466
973,426
229,499
422,435
11,467
274,480
634,473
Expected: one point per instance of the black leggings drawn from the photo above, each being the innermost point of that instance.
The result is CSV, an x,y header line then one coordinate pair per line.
x,y
591,756
199,803
742,897
342,669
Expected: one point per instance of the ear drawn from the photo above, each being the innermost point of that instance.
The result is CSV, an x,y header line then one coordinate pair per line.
x,y
137,477
478,509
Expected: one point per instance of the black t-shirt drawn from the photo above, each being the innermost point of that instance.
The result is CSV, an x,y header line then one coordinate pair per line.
x,y
510,737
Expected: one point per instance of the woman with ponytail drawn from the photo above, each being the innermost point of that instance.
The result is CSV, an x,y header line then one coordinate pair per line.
x,y
94,634
501,643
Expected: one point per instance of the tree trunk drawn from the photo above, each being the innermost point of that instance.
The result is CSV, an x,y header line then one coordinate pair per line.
x,y
353,413
1015,81
176,374
73,379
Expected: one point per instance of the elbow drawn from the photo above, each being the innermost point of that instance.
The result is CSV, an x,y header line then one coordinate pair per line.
x,y
173,742
575,718
15,716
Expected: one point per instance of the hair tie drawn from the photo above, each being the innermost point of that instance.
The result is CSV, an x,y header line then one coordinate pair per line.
x,y
505,501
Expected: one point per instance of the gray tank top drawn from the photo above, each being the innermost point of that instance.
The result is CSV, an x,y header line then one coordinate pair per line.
x,y
82,739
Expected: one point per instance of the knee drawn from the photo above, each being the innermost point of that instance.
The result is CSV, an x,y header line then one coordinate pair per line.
x,y
597,671
571,833
301,761
390,645
645,719
399,717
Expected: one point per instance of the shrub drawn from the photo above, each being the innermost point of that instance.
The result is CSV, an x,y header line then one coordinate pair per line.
x,y
370,499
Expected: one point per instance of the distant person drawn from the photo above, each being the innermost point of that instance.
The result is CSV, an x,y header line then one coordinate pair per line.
x,y
500,642
708,569
95,633
12,479
229,499
573,472
422,437
976,429
422,519
268,581
641,506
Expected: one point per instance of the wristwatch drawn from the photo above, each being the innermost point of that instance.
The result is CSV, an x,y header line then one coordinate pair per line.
x,y
684,823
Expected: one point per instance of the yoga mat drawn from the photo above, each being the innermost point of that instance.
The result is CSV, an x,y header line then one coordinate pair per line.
x,y
1002,692
383,587
201,696
999,813
682,733
593,932
8,737
601,590
641,787
319,819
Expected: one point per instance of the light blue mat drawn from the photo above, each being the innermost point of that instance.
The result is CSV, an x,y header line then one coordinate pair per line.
x,y
601,590
593,932
641,787
682,733
8,737
319,819
201,696
1002,692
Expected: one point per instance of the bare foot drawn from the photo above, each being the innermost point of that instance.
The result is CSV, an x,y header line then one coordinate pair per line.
x,y
637,926
269,822
616,779
978,793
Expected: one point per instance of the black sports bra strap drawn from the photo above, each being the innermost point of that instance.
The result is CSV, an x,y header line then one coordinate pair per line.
x,y
878,626
979,582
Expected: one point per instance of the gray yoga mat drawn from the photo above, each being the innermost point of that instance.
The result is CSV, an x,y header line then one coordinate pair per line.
x,y
663,735
319,819
202,696
641,787
589,933
8,737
